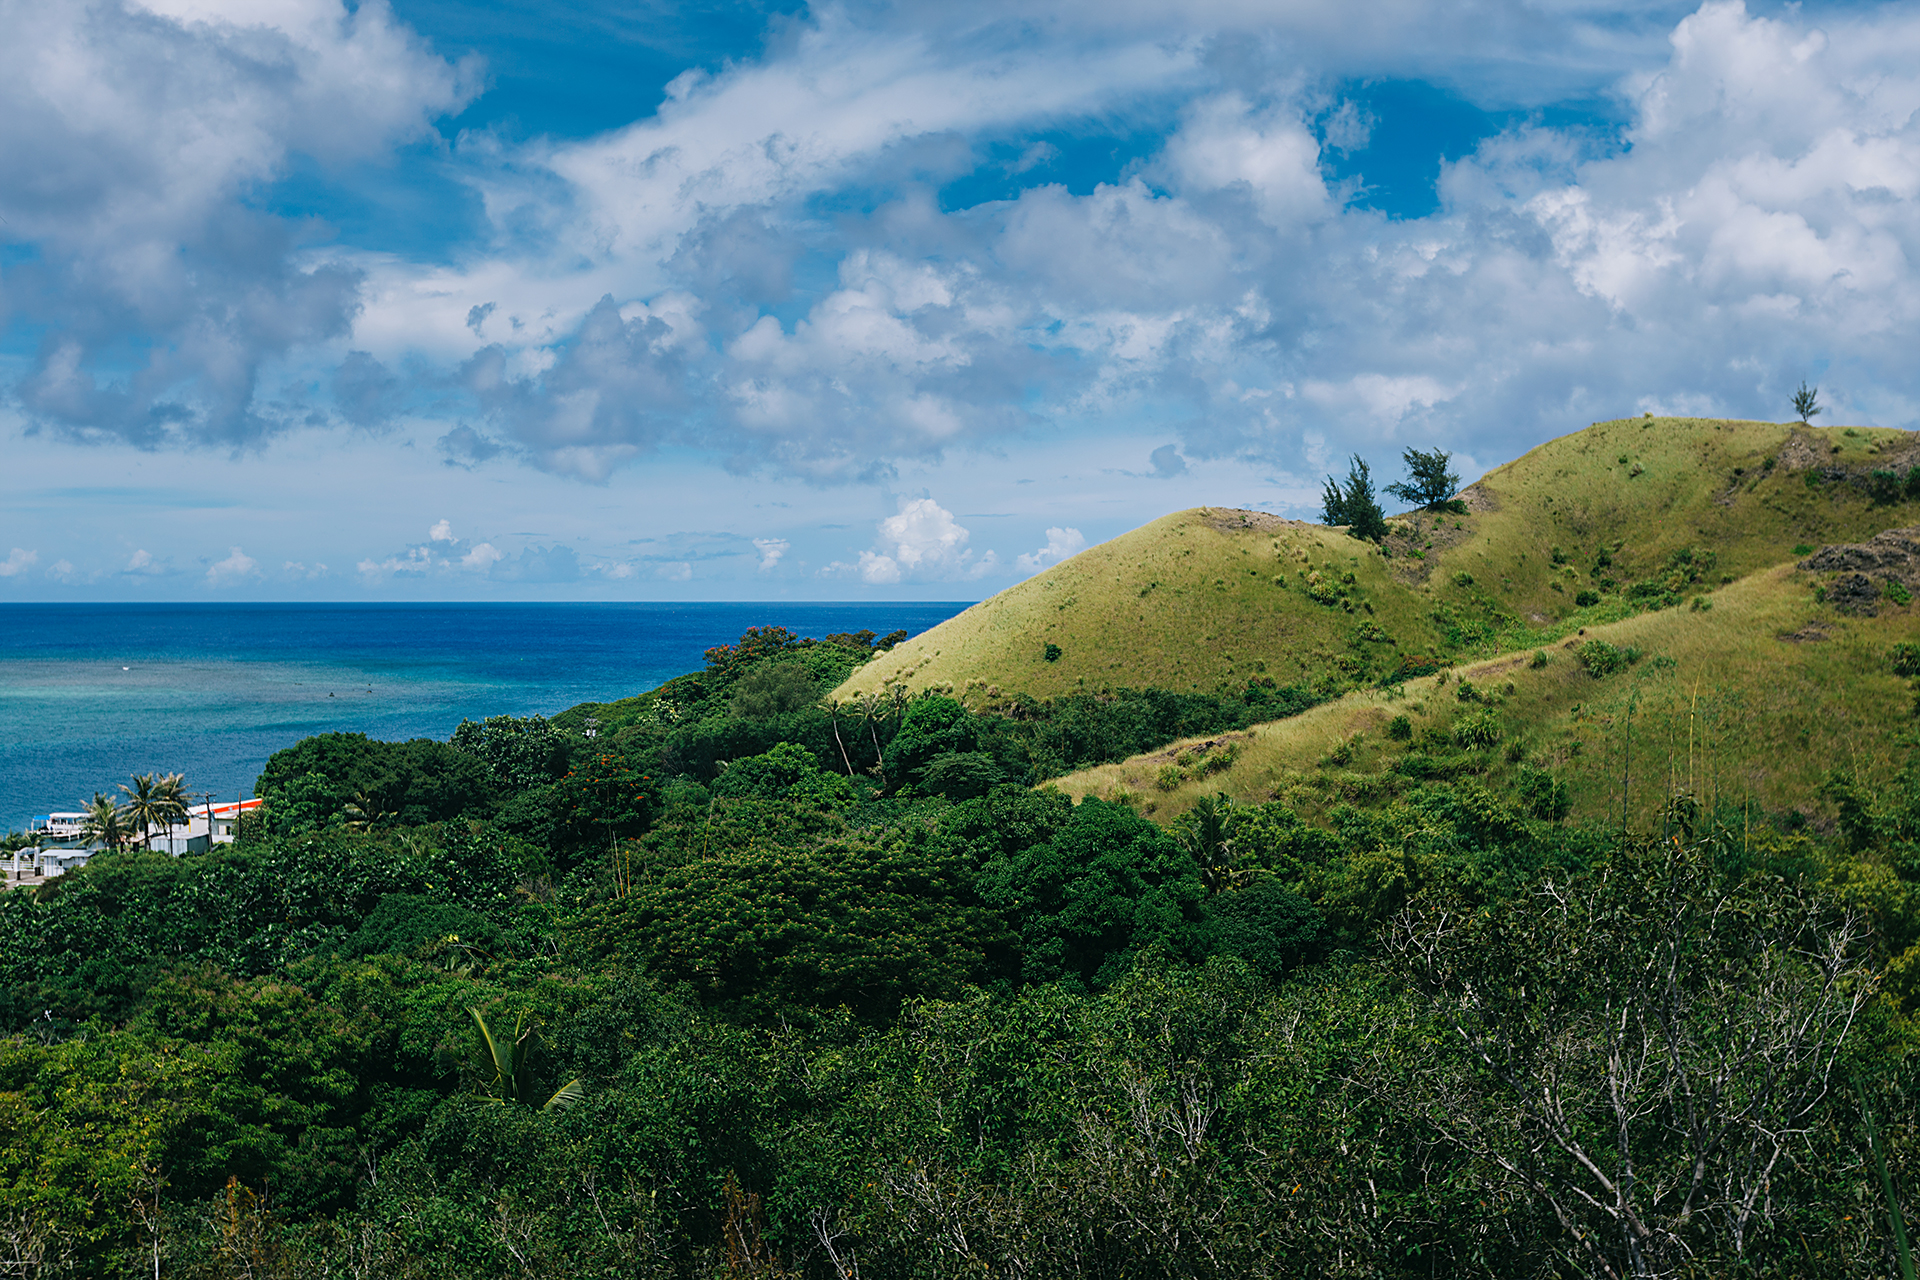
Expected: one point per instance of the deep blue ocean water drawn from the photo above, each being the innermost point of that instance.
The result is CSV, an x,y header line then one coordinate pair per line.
x,y
92,694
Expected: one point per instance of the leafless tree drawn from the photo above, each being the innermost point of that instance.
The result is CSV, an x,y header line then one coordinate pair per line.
x,y
1641,1048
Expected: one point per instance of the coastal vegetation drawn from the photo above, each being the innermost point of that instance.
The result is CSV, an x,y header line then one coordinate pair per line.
x,y
1239,898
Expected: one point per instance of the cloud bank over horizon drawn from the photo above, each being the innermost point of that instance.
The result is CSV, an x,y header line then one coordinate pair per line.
x,y
896,260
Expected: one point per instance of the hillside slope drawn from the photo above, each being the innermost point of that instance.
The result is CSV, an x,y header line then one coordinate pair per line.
x,y
1623,515
1191,601
1746,702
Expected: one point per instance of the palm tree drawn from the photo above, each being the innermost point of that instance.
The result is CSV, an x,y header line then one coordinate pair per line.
x,y
170,801
144,807
105,821
1206,833
366,811
511,1064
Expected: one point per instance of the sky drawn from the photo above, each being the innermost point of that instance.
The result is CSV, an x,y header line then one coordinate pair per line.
x,y
772,300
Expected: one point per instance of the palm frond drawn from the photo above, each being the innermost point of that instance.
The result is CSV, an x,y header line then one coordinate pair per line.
x,y
492,1054
566,1095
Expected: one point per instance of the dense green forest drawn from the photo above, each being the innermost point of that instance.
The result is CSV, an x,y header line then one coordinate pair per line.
x,y
733,980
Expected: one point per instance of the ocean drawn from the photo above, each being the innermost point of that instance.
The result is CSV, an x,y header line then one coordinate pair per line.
x,y
92,694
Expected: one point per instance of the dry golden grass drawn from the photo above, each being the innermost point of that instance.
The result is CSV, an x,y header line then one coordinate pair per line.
x,y
1193,601
1751,701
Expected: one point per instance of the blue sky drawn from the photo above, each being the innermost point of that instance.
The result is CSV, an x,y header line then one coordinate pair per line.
x,y
301,300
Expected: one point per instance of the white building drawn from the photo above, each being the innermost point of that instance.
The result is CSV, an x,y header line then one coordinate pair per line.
x,y
63,844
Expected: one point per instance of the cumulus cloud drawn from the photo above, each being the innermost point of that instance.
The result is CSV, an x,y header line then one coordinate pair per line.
x,y
18,561
143,564
674,285
923,543
771,551
237,567
442,531
145,128
480,557
1061,544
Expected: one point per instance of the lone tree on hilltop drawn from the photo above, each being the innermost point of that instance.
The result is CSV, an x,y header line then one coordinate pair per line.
x,y
1429,483
1353,504
1806,403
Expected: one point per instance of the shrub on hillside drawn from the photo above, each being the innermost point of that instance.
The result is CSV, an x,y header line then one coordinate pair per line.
x,y
1602,659
1481,729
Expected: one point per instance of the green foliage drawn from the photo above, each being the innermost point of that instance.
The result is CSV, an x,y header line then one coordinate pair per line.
x,y
1904,658
1602,659
772,689
520,753
1353,504
1051,652
1400,728
1586,599
757,933
1806,403
1084,904
1429,484
1545,796
1267,925
1481,729
311,783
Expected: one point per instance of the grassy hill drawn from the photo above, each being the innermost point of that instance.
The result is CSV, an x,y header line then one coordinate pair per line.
x,y
1747,702
1622,515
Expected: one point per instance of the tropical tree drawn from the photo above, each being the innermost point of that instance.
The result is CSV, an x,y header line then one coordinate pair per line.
x,y
105,821
511,1062
173,799
1806,403
1353,504
1205,832
1428,482
1640,1051
153,801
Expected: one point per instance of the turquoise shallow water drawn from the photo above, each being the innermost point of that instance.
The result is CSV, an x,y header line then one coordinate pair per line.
x,y
92,694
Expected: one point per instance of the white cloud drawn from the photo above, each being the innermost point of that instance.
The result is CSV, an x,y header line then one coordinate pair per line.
x,y
673,285
480,558
148,129
414,562
1061,543
62,571
771,550
237,567
19,560
679,571
442,531
300,570
922,542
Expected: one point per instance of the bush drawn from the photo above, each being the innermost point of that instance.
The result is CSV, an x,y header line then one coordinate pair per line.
x,y
1400,729
1052,652
1602,659
1466,692
1481,729
1586,599
1546,798
1538,660
1905,659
